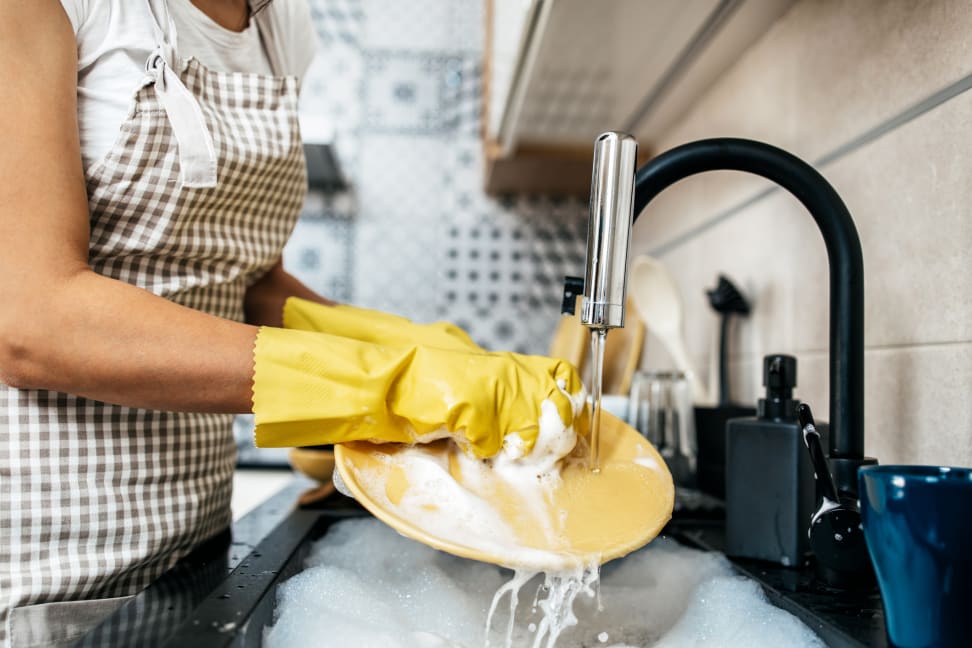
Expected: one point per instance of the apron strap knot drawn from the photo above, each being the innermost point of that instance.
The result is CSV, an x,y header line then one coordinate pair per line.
x,y
155,60
197,154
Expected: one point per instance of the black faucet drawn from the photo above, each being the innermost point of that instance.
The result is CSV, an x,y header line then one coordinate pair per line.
x,y
612,208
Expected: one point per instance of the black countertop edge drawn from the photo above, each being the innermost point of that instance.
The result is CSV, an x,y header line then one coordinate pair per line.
x,y
844,619
158,610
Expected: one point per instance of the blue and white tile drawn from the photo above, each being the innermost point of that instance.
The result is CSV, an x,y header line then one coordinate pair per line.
x,y
462,100
463,199
396,269
319,255
401,179
330,206
338,21
424,25
406,92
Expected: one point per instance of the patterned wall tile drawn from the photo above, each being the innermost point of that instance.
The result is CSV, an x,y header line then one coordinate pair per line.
x,y
423,25
396,268
331,109
483,282
338,21
319,255
463,199
401,179
332,86
405,92
462,100
422,238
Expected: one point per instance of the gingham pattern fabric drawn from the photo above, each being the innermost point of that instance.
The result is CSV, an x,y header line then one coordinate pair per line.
x,y
98,500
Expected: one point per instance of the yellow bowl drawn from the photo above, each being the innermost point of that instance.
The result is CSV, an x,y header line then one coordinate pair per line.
x,y
316,464
586,518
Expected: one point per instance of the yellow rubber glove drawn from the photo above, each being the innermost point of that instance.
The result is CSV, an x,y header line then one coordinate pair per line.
x,y
372,326
316,388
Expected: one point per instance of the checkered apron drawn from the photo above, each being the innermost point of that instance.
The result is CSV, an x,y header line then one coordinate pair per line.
x,y
194,202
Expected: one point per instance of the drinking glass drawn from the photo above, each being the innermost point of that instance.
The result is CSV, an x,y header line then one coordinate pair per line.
x,y
660,408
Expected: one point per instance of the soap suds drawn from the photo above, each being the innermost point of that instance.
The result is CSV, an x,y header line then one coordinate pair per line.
x,y
463,512
366,586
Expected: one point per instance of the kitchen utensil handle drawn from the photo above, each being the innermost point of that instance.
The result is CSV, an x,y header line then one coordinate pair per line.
x,y
699,393
724,362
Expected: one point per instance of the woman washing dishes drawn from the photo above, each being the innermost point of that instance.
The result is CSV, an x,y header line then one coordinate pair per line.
x,y
153,171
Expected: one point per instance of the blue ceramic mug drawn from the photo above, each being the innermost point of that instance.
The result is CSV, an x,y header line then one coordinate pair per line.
x,y
918,527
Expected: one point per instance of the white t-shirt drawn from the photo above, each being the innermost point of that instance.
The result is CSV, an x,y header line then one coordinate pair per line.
x,y
115,38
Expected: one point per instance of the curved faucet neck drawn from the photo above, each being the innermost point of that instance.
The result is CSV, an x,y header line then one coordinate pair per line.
x,y
843,252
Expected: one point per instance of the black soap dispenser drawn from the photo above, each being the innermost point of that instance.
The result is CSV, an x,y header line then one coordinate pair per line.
x,y
769,477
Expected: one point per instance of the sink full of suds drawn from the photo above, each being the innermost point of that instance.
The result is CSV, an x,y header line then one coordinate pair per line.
x,y
366,586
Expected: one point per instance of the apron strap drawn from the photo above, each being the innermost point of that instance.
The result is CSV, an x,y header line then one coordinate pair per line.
x,y
197,154
271,44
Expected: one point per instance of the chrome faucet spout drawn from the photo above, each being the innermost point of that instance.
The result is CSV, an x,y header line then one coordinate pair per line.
x,y
846,270
609,229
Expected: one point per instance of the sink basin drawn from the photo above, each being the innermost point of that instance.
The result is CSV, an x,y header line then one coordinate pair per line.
x,y
364,583
227,597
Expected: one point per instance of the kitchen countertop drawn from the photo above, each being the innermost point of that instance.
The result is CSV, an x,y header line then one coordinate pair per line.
x,y
156,612
253,486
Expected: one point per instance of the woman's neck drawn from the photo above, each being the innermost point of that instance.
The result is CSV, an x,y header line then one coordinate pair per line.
x,y
233,15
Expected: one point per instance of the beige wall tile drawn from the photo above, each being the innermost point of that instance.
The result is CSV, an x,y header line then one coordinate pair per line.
x,y
910,194
917,408
826,72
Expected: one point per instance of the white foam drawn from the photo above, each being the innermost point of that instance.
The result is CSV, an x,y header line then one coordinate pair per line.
x,y
444,508
464,514
366,586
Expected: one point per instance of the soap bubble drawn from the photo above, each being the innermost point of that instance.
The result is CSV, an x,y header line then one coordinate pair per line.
x,y
366,586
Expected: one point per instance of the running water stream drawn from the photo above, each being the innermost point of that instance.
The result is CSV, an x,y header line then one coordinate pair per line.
x,y
598,340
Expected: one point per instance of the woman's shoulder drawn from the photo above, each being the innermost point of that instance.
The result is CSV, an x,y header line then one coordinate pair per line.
x,y
290,10
89,14
101,26
106,27
293,27
75,10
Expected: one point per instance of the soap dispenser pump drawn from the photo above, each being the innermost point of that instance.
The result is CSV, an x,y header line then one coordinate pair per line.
x,y
769,477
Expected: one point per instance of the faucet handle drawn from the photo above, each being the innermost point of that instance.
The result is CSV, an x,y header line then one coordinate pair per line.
x,y
573,286
836,533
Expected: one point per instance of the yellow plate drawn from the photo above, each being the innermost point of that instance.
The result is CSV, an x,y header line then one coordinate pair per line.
x,y
316,464
434,494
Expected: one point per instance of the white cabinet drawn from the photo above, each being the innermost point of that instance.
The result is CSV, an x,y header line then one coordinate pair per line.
x,y
559,72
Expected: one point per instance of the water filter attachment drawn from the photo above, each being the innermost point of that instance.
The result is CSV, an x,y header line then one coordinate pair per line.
x,y
609,230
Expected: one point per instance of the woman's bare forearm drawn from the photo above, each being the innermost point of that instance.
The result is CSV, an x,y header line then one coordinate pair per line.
x,y
110,341
63,327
